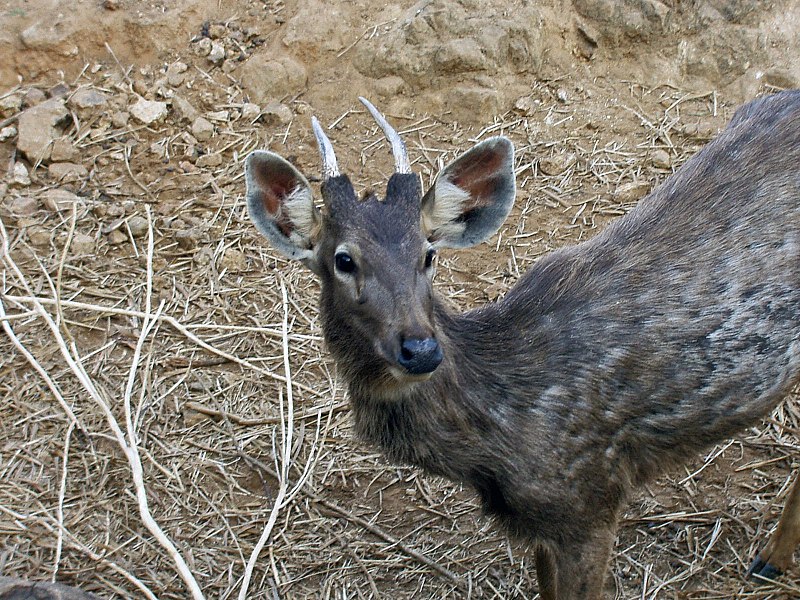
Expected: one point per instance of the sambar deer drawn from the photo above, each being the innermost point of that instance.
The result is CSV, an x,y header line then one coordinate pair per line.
x,y
608,362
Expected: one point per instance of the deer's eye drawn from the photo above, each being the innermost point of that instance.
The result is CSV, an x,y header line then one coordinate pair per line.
x,y
429,255
344,262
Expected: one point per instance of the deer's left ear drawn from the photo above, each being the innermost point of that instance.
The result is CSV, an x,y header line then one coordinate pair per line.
x,y
471,196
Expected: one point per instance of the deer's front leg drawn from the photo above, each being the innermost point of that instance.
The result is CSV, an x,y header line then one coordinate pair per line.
x,y
575,570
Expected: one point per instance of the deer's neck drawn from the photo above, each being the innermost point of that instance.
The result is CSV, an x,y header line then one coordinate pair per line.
x,y
437,424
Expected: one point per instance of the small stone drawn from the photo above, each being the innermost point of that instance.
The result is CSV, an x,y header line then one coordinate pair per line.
x,y
188,238
148,111
176,73
58,199
234,261
389,87
64,150
67,171
140,86
217,31
23,206
229,66
202,47
112,4
525,106
276,113
86,98
38,236
562,95
33,97
6,133
209,160
120,119
700,131
631,191
38,128
202,129
183,109
217,54
59,90
10,105
661,159
20,175
250,111
82,244
116,237
138,226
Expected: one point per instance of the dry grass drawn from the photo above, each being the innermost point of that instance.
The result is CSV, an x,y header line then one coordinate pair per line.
x,y
183,367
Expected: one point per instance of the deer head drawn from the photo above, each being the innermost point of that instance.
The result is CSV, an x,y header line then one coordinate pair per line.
x,y
375,257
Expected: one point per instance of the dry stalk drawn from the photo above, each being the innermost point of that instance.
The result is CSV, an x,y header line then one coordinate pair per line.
x,y
73,360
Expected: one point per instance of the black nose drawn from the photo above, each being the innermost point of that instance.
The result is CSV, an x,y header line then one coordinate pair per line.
x,y
419,357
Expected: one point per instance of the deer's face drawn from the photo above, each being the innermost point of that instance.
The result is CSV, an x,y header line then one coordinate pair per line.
x,y
376,268
375,257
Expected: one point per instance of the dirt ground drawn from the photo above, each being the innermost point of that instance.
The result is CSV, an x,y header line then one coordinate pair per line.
x,y
146,327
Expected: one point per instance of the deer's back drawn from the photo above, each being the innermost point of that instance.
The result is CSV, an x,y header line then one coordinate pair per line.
x,y
680,323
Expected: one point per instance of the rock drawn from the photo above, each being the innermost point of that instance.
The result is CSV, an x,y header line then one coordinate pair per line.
x,y
176,73
138,226
459,56
20,175
120,119
116,237
64,150
661,159
202,47
209,160
700,131
58,199
38,128
10,105
631,191
250,111
217,53
33,97
59,90
67,171
22,206
38,236
202,129
266,78
390,86
183,109
217,31
526,105
86,98
188,238
276,113
82,244
149,111
6,133
234,261
472,103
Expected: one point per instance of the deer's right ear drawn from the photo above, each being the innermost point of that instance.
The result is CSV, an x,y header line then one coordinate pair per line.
x,y
281,205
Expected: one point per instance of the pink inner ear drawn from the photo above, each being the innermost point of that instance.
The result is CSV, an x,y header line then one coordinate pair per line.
x,y
478,176
274,186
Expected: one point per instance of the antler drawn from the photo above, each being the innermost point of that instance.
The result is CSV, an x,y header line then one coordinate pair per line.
x,y
401,162
329,166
